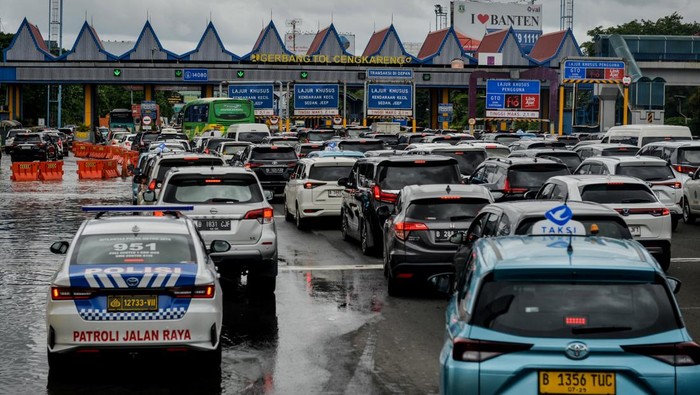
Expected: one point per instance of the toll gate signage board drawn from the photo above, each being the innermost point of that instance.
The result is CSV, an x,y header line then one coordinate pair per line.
x,y
593,70
390,100
262,96
195,75
513,98
390,74
316,99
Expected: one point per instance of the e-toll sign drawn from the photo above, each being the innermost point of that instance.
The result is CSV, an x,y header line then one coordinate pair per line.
x,y
316,99
589,71
390,100
513,98
262,96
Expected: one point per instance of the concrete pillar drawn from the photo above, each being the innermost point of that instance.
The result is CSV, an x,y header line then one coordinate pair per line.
x,y
14,101
445,100
90,105
434,93
149,93
207,91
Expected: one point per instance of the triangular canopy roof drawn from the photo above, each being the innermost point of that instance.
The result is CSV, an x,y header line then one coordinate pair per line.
x,y
493,42
269,41
552,45
328,42
148,47
210,48
27,44
505,42
468,44
386,42
441,47
88,47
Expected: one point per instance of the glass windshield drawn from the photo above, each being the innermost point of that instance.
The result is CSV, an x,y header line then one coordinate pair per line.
x,y
273,153
574,310
466,160
329,173
647,172
497,152
689,155
130,249
27,138
232,111
196,189
607,227
617,193
534,176
506,139
631,140
253,137
167,164
462,209
391,139
654,139
149,137
320,136
619,151
570,159
233,149
361,147
397,177
117,117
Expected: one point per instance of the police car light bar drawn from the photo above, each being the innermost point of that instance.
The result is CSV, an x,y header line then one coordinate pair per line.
x,y
129,209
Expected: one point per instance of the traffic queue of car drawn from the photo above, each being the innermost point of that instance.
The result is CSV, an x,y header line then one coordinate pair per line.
x,y
555,264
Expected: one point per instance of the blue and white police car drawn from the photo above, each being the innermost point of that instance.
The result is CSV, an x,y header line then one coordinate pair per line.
x,y
135,283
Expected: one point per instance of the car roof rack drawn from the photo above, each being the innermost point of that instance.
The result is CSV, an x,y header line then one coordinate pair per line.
x,y
169,210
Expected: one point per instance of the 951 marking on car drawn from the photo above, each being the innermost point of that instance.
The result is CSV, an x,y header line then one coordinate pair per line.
x,y
596,383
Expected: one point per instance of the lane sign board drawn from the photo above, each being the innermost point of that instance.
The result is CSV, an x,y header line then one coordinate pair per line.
x,y
392,74
390,100
513,98
594,69
262,96
316,99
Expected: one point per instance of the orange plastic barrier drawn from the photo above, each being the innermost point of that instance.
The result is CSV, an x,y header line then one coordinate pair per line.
x,y
98,152
25,171
81,150
75,146
89,169
51,171
109,169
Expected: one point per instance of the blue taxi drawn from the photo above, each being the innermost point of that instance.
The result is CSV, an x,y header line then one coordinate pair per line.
x,y
565,314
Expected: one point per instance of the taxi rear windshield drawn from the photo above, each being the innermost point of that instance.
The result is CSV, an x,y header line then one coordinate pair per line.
x,y
134,249
168,164
617,193
497,152
361,147
198,189
329,173
233,149
578,310
252,137
452,210
279,152
607,227
647,172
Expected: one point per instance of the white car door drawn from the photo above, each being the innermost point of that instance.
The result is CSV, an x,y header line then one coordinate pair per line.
x,y
291,190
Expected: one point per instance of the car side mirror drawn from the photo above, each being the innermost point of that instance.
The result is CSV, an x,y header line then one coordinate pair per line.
x,y
457,238
343,182
219,246
149,196
674,284
442,283
60,247
269,195
530,195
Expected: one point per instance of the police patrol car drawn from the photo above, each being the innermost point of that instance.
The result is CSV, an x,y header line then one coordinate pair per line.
x,y
135,283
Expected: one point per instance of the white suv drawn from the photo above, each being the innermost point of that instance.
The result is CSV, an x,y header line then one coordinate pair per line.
x,y
313,191
648,220
664,181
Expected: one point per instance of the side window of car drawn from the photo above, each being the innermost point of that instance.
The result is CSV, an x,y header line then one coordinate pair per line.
x,y
583,169
546,192
584,153
477,227
595,168
491,225
362,180
464,285
352,178
503,226
558,192
491,174
478,176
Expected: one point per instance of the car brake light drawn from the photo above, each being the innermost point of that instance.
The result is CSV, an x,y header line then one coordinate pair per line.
x,y
507,188
656,212
420,162
252,165
468,350
212,181
152,185
672,184
312,185
68,293
263,215
676,354
198,291
383,196
190,158
450,197
685,169
402,229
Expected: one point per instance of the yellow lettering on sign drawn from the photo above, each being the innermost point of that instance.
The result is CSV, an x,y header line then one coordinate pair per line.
x,y
335,59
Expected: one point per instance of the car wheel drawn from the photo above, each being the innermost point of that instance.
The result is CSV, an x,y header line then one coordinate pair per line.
x,y
211,360
688,216
344,226
674,222
300,222
261,285
57,362
364,240
394,288
664,260
287,214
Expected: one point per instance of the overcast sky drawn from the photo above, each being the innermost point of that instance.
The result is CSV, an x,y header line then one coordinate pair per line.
x,y
180,23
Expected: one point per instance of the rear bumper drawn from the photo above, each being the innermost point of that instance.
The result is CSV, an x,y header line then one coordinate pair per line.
x,y
656,246
276,186
314,210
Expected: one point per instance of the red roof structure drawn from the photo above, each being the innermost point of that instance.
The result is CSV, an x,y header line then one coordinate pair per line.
x,y
318,40
37,37
432,43
469,44
492,42
375,42
547,45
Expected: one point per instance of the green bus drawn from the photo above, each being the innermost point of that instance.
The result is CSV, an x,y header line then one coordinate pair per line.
x,y
198,114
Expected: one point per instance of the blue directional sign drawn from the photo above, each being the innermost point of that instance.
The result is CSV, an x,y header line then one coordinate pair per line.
x,y
316,99
390,100
594,69
513,98
393,74
195,75
445,111
262,96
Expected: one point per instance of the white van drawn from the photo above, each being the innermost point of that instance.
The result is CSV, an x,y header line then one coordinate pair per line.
x,y
640,135
251,132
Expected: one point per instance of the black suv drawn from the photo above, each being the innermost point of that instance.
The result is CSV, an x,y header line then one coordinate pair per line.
x,y
376,181
143,140
273,164
512,178
28,147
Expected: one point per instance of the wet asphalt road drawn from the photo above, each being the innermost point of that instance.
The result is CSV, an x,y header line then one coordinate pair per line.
x,y
330,328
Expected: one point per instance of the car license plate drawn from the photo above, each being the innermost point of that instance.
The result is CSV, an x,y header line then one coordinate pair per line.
x,y
636,230
444,234
334,193
26,147
597,383
117,303
274,170
213,224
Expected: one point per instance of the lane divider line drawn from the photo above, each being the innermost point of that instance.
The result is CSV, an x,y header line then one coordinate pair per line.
x,y
329,268
684,260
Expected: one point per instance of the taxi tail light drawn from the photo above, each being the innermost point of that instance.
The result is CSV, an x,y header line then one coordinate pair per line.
x,y
508,189
676,354
263,215
198,291
383,196
403,229
469,350
68,293
312,185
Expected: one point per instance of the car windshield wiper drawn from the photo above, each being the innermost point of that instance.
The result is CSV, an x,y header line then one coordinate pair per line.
x,y
599,329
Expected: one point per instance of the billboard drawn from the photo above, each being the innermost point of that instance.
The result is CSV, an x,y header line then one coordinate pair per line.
x,y
262,96
299,44
582,69
513,98
316,99
475,19
390,100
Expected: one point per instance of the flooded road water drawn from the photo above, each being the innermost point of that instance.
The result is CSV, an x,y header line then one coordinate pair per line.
x,y
327,329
